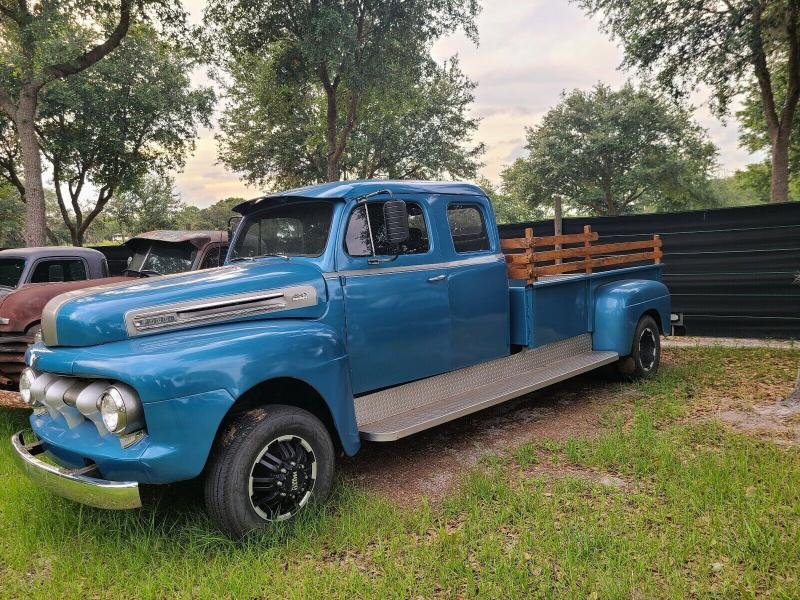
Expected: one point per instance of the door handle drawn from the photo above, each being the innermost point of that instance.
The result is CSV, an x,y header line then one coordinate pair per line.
x,y
436,278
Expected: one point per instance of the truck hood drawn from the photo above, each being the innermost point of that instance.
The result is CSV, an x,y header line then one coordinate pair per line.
x,y
266,288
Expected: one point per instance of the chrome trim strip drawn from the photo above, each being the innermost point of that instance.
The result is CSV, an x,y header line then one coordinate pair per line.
x,y
476,260
179,315
73,484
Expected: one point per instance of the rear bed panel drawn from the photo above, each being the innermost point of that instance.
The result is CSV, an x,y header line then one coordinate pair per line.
x,y
560,307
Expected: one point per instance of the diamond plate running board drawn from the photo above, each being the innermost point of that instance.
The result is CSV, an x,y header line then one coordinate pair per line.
x,y
396,412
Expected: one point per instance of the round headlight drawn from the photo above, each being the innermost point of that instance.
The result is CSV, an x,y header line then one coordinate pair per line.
x,y
112,410
120,409
26,380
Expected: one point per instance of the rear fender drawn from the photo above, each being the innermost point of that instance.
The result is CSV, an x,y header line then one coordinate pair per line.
x,y
619,305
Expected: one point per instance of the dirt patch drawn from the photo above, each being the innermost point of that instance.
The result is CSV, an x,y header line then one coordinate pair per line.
x,y
777,421
554,471
11,400
431,463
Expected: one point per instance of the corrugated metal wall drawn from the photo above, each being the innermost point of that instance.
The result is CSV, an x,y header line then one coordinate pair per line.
x,y
730,270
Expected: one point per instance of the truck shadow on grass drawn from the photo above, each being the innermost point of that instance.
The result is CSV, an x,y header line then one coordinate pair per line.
x,y
430,464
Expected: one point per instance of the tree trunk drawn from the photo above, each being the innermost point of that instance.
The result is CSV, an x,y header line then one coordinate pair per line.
x,y
35,230
779,184
331,135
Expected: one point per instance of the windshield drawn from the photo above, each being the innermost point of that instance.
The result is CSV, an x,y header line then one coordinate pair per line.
x,y
11,271
294,229
163,258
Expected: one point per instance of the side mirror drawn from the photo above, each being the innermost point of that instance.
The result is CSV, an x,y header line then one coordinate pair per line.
x,y
395,219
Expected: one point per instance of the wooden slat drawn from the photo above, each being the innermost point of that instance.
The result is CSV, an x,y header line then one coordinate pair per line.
x,y
587,247
605,261
593,250
518,272
549,240
525,263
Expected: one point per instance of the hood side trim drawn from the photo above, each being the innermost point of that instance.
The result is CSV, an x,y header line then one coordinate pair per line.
x,y
194,313
52,308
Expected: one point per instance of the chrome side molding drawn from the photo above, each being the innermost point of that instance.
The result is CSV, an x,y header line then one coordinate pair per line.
x,y
180,315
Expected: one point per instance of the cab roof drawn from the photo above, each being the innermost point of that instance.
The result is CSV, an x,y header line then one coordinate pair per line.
x,y
346,190
49,252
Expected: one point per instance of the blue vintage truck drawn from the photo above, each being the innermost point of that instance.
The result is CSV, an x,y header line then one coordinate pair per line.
x,y
345,312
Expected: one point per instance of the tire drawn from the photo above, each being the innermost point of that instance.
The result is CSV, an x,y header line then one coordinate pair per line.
x,y
252,480
645,356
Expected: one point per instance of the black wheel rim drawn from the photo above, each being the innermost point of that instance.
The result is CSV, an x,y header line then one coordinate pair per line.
x,y
647,349
282,478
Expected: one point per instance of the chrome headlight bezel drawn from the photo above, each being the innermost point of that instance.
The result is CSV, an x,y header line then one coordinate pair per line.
x,y
120,410
26,381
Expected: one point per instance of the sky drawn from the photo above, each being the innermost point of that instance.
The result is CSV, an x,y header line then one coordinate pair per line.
x,y
529,51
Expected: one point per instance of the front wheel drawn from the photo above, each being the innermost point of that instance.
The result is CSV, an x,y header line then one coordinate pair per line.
x,y
268,465
645,356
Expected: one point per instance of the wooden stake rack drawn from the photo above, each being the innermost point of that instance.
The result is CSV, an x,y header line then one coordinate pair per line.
x,y
532,257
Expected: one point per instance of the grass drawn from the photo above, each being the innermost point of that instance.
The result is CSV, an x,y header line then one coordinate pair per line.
x,y
704,512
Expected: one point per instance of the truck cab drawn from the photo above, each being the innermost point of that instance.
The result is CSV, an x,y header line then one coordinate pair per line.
x,y
346,312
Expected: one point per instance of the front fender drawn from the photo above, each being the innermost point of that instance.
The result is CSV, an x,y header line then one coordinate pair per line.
x,y
619,305
231,358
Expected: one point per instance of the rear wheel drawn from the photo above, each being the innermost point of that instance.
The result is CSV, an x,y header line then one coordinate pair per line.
x,y
645,356
269,464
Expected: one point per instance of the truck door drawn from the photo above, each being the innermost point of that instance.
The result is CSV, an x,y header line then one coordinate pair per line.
x,y
478,286
396,302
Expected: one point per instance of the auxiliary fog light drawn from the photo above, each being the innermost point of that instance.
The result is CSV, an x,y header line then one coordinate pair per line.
x,y
120,410
26,380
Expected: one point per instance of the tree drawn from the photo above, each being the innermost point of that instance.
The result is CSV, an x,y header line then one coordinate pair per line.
x,y
722,45
607,152
415,127
46,41
215,217
509,208
339,51
12,211
152,204
104,129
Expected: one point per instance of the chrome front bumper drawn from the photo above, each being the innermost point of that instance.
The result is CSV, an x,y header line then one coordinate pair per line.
x,y
73,484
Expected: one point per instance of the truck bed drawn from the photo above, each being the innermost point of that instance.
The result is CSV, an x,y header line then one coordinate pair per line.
x,y
538,308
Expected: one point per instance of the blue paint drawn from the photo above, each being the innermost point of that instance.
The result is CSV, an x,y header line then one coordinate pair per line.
x,y
374,325
618,308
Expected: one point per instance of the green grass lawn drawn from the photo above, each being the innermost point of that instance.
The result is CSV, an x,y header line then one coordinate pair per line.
x,y
698,510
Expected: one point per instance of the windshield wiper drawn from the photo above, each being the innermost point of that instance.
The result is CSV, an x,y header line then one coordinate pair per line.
x,y
252,258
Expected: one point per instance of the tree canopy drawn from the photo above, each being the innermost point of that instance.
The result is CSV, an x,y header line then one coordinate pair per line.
x,y
416,126
607,152
41,42
330,57
724,45
104,129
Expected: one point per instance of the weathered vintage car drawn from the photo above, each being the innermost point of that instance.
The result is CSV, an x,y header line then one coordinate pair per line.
x,y
346,312
31,277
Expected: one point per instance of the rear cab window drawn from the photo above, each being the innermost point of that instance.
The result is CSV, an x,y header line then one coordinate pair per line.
x,y
468,228
59,270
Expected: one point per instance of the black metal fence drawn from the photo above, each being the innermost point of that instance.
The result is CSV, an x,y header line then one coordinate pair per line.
x,y
731,271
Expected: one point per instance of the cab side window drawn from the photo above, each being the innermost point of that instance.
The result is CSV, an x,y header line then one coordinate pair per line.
x,y
50,271
357,238
468,228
